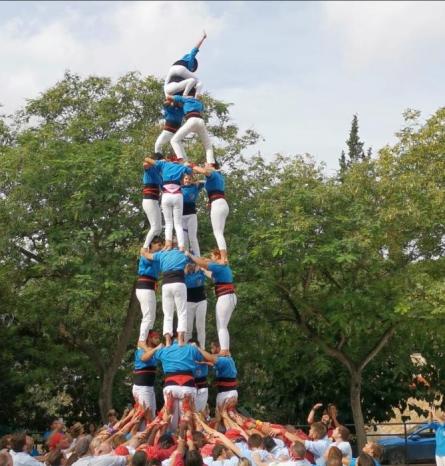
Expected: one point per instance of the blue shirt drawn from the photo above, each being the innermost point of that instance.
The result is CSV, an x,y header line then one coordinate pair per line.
x,y
152,176
201,370
195,279
139,364
215,182
191,192
177,358
173,113
190,58
440,437
220,273
148,267
353,462
189,104
225,367
170,261
172,172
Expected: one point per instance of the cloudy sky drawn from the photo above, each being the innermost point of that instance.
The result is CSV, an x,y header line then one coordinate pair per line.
x,y
295,71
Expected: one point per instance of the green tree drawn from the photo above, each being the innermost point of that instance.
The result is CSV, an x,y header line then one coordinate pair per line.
x,y
356,152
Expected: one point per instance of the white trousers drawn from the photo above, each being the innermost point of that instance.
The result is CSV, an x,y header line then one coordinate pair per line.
x,y
225,305
223,396
174,295
184,86
153,213
196,312
219,210
162,140
146,397
190,227
178,393
147,300
440,460
202,396
193,125
172,205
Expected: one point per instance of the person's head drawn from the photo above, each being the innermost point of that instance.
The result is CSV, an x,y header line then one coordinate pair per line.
x,y
55,458
153,338
82,446
76,429
215,255
341,433
112,416
198,439
215,348
154,462
166,441
188,180
373,449
193,458
334,462
139,459
269,443
156,244
244,462
18,442
57,425
335,453
117,440
190,268
104,448
92,428
298,450
219,452
364,460
5,442
317,431
29,444
6,459
255,441
212,165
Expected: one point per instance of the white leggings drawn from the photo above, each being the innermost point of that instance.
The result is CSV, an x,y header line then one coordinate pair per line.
x,y
225,305
146,397
223,396
162,140
196,312
190,227
172,209
178,393
219,210
147,300
193,125
202,396
153,213
174,295
440,460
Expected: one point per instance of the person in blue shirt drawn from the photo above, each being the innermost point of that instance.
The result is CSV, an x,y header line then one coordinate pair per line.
x,y
179,364
181,78
173,116
193,114
172,263
226,373
148,275
172,199
196,302
438,425
374,450
225,293
144,372
151,194
219,209
190,192
202,387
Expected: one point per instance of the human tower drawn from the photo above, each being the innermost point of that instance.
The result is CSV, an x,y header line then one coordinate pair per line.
x,y
170,190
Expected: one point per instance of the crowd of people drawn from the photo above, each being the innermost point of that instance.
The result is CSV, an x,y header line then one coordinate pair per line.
x,y
228,439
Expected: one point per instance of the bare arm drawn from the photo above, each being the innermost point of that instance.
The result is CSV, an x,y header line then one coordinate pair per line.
x,y
203,38
199,260
208,356
149,354
201,170
149,161
146,254
311,416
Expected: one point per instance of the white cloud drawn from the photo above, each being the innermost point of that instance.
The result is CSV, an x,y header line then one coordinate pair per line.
x,y
390,31
111,40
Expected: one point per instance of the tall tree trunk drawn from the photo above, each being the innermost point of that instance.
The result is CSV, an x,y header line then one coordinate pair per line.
x,y
106,387
356,407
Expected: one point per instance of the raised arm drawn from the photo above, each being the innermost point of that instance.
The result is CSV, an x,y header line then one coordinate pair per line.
x,y
208,356
204,263
203,38
150,352
311,416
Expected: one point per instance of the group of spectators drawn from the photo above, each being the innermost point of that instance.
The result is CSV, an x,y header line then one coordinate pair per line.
x,y
229,439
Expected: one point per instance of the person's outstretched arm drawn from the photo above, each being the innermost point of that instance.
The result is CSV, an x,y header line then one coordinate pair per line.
x,y
204,263
203,38
311,416
207,356
149,354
